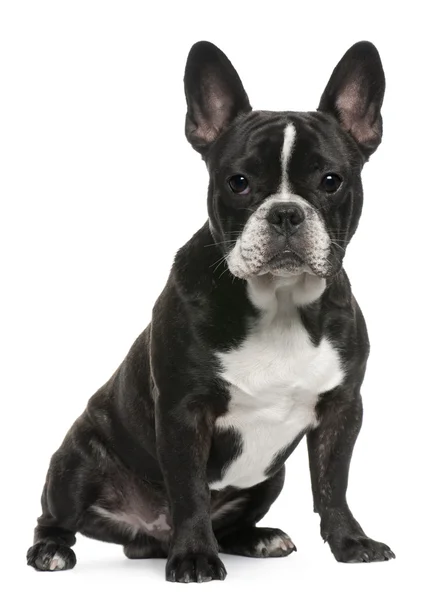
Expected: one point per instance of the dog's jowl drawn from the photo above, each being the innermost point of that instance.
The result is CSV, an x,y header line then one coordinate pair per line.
x,y
255,342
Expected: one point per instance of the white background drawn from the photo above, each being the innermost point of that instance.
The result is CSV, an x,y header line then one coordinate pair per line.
x,y
99,188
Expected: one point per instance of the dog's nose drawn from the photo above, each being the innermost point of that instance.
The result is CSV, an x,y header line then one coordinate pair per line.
x,y
285,217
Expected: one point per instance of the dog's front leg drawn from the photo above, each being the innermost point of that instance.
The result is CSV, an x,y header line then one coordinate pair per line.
x,y
330,448
184,434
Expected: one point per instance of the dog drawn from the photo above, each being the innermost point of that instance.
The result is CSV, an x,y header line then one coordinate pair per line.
x,y
255,343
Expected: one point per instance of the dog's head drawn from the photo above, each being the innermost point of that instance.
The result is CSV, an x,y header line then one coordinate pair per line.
x,y
285,192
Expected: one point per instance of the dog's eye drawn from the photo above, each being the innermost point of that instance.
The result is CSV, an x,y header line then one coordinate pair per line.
x,y
331,183
239,184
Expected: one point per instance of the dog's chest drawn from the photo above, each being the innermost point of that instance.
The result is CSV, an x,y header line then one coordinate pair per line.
x,y
275,379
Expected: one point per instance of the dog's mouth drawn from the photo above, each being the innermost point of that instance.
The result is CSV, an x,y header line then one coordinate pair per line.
x,y
287,259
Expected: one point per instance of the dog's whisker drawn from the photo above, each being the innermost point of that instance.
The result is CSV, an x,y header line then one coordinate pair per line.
x,y
219,260
220,243
223,272
220,263
338,246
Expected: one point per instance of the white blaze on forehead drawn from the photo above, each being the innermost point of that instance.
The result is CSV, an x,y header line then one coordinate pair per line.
x,y
286,153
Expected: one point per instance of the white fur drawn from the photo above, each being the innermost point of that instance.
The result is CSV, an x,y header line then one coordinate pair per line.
x,y
249,255
286,153
281,294
271,546
230,506
133,522
57,563
275,378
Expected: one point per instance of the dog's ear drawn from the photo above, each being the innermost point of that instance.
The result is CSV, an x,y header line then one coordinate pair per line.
x,y
355,93
214,95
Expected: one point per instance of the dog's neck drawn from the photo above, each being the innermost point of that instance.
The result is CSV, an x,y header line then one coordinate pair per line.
x,y
285,293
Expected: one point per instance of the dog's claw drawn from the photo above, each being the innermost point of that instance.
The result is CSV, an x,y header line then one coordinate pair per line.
x,y
171,576
198,568
351,549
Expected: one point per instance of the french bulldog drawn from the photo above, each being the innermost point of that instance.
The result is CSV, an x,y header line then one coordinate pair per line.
x,y
255,343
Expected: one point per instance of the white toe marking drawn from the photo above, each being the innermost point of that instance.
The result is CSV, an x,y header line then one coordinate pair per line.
x,y
57,563
260,547
274,544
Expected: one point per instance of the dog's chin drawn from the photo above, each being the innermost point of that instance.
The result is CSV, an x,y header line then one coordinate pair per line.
x,y
285,264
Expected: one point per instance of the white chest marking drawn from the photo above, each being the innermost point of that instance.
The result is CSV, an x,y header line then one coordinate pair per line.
x,y
275,378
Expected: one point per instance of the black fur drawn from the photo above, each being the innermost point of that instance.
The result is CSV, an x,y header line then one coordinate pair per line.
x,y
147,446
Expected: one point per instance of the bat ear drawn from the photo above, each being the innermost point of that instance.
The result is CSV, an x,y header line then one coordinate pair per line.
x,y
354,95
214,94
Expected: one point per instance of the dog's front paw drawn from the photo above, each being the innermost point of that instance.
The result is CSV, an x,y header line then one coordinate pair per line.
x,y
51,556
194,567
355,549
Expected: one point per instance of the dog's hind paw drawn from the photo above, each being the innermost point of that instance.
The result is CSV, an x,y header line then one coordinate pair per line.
x,y
50,556
257,542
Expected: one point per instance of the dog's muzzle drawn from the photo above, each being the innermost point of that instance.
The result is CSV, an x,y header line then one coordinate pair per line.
x,y
284,236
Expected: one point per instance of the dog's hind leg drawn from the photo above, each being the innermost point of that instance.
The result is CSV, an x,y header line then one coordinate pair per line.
x,y
235,521
71,484
55,533
136,545
146,547
52,549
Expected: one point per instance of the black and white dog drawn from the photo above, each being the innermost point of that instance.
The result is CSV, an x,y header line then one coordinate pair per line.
x,y
255,342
